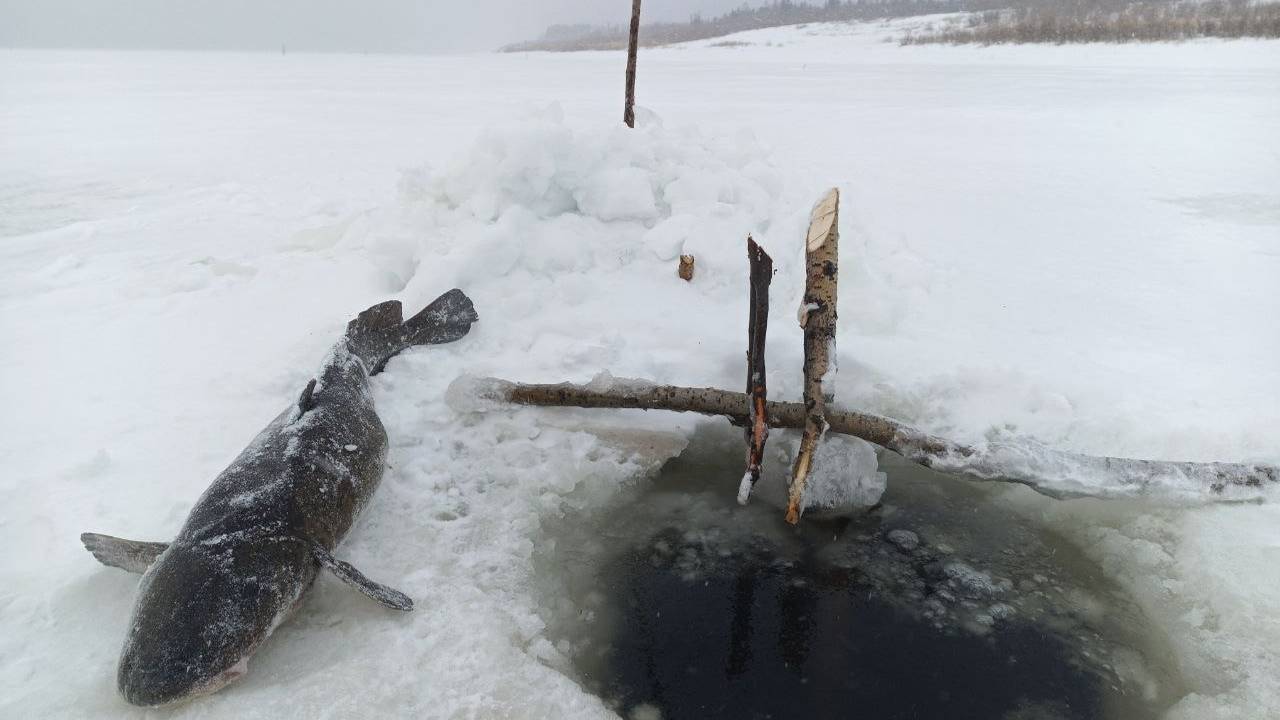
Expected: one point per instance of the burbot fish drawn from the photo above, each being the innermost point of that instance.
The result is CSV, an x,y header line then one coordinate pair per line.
x,y
257,538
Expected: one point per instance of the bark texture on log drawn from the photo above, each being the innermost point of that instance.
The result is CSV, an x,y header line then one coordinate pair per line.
x,y
757,432
818,318
1055,473
629,108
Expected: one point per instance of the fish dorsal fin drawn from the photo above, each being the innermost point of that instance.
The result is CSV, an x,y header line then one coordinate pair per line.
x,y
307,399
373,334
132,555
388,597
378,320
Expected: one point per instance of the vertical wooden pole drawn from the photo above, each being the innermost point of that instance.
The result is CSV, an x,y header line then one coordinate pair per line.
x,y
757,432
629,108
818,318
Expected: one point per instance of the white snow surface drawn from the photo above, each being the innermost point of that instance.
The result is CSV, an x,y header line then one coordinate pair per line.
x,y
1076,243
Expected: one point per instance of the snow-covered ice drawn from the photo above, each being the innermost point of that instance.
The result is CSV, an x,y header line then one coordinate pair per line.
x,y
1073,243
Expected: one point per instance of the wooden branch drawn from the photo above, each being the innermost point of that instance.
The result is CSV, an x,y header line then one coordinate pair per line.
x,y
629,108
757,431
1050,472
818,318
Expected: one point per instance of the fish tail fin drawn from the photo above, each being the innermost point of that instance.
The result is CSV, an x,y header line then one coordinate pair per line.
x,y
379,333
446,319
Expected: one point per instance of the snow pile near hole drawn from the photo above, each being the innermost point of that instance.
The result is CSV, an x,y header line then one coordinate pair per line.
x,y
536,198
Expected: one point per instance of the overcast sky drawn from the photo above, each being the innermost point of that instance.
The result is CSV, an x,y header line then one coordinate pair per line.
x,y
354,25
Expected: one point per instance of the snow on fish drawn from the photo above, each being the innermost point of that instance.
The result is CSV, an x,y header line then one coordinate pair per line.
x,y
257,538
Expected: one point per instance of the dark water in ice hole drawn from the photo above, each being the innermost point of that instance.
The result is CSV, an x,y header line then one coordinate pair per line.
x,y
677,600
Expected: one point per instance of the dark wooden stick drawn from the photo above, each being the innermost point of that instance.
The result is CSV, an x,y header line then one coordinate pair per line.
x,y
757,432
818,318
629,108
1055,473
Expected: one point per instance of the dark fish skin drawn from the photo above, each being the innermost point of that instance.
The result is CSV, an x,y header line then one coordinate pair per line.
x,y
248,550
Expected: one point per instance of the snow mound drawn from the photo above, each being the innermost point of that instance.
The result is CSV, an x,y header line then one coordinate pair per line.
x,y
540,196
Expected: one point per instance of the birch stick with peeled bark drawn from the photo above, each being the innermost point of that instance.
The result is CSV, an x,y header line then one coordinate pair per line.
x,y
818,318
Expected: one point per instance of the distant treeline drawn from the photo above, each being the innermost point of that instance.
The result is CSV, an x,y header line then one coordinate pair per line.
x,y
994,21
1082,21
782,12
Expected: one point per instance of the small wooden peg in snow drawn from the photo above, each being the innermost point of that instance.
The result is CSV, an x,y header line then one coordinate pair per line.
x,y
685,271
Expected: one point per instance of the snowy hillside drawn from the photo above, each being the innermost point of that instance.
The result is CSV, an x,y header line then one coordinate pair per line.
x,y
1080,244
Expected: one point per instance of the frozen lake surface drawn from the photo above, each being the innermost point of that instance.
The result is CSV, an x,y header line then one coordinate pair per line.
x,y
1078,243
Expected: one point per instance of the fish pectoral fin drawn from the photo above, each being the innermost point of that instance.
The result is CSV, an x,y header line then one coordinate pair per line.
x,y
307,400
132,555
388,597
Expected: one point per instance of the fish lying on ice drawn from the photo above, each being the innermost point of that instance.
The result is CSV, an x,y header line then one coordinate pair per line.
x,y
256,539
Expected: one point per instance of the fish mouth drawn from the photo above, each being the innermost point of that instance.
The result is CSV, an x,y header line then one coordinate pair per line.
x,y
152,689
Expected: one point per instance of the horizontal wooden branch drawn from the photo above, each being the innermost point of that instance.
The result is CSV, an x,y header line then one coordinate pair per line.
x,y
1051,472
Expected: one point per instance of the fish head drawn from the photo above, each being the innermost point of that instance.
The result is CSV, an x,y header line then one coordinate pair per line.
x,y
201,612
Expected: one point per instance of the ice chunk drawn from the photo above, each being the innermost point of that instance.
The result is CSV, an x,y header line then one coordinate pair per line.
x,y
605,381
844,477
905,540
1070,474
970,582
471,394
744,488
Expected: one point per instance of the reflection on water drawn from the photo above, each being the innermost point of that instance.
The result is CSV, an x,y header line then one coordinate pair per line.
x,y
677,603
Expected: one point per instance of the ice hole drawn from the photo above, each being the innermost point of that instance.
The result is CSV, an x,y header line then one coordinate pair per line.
x,y
936,602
